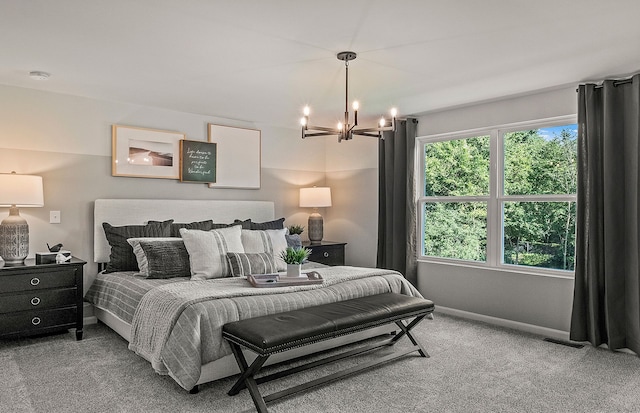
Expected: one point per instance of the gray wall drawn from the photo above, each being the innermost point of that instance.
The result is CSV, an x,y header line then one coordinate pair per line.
x,y
522,298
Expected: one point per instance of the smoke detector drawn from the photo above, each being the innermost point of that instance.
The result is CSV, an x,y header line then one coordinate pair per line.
x,y
38,75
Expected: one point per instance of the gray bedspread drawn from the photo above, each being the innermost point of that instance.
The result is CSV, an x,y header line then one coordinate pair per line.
x,y
178,326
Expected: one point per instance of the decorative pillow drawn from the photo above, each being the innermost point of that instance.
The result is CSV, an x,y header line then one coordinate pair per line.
x,y
293,240
271,241
175,227
161,257
276,224
246,224
245,264
208,251
218,226
121,257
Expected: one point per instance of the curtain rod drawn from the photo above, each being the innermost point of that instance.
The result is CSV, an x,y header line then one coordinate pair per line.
x,y
615,83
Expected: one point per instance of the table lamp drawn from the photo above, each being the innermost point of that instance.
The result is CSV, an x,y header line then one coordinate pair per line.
x,y
17,191
316,197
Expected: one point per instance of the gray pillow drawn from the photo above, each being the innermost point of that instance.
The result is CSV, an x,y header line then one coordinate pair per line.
x,y
201,225
161,257
121,257
275,224
251,263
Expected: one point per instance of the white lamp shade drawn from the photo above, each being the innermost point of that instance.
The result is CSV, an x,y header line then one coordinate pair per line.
x,y
316,197
21,190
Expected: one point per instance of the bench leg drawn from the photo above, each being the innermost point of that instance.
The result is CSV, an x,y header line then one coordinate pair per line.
x,y
246,377
406,330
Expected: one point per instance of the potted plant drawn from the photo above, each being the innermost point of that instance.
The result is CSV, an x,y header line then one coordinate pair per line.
x,y
294,257
296,229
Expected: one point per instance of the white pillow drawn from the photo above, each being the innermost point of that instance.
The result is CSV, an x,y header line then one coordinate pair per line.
x,y
271,241
208,251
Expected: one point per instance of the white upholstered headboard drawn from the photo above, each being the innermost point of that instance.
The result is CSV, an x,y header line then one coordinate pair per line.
x,y
139,211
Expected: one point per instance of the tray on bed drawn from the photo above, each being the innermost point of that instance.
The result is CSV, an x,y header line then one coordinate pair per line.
x,y
276,280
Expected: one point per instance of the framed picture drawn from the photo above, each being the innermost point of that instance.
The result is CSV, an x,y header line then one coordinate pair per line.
x,y
197,161
238,157
145,153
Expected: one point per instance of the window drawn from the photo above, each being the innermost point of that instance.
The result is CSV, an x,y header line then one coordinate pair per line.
x,y
504,197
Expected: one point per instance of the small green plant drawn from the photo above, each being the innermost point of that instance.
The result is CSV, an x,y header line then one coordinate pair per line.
x,y
296,229
295,255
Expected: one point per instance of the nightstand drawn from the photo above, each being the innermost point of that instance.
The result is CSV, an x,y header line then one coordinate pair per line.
x,y
326,252
41,298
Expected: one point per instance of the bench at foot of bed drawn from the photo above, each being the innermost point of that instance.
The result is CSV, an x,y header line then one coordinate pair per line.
x,y
275,333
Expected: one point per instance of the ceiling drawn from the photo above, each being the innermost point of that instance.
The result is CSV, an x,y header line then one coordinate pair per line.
x,y
262,61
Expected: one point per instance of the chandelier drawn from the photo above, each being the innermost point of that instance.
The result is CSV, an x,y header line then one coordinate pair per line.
x,y
345,130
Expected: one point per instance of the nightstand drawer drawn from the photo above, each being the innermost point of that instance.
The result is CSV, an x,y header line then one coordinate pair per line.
x,y
37,280
25,321
327,254
34,300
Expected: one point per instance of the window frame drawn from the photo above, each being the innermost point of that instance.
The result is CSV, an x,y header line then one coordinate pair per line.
x,y
495,200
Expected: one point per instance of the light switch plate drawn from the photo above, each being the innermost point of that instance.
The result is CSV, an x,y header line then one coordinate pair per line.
x,y
54,217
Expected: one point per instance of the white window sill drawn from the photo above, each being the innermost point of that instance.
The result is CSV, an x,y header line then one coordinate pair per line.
x,y
503,268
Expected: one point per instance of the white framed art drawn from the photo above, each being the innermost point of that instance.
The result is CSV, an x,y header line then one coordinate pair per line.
x,y
145,153
238,161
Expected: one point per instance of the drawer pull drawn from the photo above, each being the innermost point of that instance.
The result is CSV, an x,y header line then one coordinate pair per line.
x,y
35,281
35,321
35,301
326,254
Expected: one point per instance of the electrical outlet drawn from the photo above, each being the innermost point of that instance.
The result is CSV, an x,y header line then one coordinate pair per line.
x,y
54,217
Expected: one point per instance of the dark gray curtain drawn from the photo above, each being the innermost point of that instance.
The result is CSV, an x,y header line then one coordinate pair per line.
x,y
396,201
606,304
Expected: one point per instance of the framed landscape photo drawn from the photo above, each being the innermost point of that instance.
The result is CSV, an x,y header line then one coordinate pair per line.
x,y
197,161
238,161
145,153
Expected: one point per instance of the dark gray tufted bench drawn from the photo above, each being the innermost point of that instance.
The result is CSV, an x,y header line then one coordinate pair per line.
x,y
275,333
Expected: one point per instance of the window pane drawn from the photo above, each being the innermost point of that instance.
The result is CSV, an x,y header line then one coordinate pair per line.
x,y
457,167
540,234
541,161
456,230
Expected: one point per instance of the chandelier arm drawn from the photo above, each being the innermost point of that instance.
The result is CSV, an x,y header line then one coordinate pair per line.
x,y
312,134
323,128
378,129
371,135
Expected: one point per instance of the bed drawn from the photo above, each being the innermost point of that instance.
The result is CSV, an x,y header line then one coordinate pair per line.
x,y
175,323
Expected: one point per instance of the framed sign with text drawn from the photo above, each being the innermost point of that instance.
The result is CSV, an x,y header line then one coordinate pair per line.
x,y
198,161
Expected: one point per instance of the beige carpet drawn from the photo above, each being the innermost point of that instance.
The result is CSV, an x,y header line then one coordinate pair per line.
x,y
473,367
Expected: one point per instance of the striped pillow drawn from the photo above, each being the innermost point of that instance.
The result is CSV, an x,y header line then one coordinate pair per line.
x,y
271,241
246,264
161,257
208,251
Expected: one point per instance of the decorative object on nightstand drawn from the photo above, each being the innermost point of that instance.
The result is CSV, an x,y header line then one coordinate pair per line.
x,y
55,255
327,252
38,299
316,197
17,191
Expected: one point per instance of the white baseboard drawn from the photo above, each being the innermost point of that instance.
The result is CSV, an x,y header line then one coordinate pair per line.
x,y
529,328
89,320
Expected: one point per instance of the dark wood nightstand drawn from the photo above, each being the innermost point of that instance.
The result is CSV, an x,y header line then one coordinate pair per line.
x,y
326,252
41,298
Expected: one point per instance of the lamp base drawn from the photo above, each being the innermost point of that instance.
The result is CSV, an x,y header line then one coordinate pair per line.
x,y
315,227
14,238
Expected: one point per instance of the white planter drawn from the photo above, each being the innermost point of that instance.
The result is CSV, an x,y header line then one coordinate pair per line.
x,y
293,270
